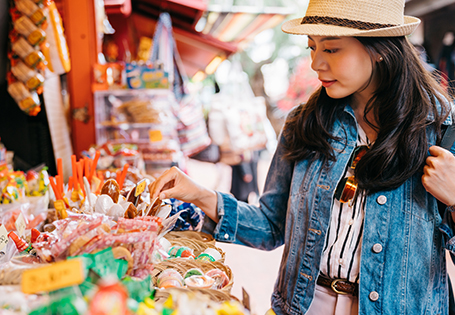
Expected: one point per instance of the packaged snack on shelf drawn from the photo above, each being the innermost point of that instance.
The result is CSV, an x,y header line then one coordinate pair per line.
x,y
100,77
144,119
146,76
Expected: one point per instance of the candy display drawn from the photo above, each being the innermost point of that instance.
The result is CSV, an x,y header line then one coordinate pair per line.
x,y
17,186
103,246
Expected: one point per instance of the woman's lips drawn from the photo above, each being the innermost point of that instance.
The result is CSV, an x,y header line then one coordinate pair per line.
x,y
326,84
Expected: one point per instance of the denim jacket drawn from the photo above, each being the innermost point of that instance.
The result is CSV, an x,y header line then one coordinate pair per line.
x,y
403,264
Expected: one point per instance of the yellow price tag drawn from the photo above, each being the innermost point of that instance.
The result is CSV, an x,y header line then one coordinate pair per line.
x,y
53,277
155,135
140,187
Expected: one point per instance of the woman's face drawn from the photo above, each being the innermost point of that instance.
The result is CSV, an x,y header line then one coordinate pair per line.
x,y
343,66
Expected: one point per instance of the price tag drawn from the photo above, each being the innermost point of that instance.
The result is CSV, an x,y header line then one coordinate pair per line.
x,y
140,187
3,237
53,277
20,225
155,135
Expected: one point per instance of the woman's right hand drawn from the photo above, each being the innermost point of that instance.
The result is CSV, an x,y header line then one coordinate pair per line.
x,y
174,183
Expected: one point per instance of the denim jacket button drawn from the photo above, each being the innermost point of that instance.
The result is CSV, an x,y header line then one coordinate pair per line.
x,y
374,296
382,199
226,236
377,248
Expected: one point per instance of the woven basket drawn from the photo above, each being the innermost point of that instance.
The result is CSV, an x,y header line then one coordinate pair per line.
x,y
200,236
182,265
213,295
196,245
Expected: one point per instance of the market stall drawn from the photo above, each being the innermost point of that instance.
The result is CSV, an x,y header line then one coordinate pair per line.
x,y
83,236
70,247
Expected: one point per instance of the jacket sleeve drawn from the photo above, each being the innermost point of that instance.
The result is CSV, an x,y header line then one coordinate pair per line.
x,y
263,226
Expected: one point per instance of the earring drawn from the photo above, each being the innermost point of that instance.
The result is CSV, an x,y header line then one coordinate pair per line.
x,y
380,58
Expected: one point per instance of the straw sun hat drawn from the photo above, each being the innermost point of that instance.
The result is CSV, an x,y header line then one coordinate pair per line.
x,y
375,18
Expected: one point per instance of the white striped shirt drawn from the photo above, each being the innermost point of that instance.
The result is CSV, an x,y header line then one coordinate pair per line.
x,y
341,255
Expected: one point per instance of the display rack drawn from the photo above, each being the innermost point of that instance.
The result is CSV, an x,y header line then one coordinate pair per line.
x,y
141,117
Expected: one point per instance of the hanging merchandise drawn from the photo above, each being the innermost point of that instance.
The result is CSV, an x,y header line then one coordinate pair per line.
x,y
56,52
192,129
37,43
237,119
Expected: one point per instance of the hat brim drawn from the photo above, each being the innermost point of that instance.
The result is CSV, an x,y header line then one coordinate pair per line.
x,y
294,27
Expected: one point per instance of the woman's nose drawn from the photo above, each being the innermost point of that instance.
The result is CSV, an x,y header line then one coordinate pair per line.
x,y
317,61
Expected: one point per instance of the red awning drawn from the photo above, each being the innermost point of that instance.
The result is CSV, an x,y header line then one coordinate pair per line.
x,y
222,33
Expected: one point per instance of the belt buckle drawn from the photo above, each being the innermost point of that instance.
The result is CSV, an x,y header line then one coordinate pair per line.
x,y
333,284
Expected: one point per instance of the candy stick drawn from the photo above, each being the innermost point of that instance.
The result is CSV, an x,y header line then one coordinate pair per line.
x,y
80,176
93,169
57,181
123,175
54,188
60,174
70,183
74,167
86,166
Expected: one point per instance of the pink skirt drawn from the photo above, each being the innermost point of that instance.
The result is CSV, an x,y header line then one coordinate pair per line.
x,y
327,302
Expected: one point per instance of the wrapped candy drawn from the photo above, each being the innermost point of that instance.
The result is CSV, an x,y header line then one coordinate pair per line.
x,y
32,79
199,281
32,58
31,10
28,29
28,101
181,251
170,278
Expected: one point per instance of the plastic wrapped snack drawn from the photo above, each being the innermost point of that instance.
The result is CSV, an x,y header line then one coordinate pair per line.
x,y
32,58
32,79
28,101
28,29
30,9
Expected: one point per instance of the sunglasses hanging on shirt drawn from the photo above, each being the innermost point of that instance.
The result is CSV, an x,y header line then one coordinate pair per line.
x,y
347,187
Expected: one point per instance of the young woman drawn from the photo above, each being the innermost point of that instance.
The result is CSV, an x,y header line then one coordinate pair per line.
x,y
353,188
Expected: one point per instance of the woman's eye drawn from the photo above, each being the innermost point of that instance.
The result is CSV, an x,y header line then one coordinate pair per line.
x,y
330,51
310,48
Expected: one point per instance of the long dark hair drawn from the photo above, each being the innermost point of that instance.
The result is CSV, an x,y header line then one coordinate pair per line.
x,y
405,96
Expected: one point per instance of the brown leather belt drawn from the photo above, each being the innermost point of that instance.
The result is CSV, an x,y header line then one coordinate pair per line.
x,y
339,286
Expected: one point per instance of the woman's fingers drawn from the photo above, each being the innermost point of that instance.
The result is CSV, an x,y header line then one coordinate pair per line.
x,y
165,181
439,173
